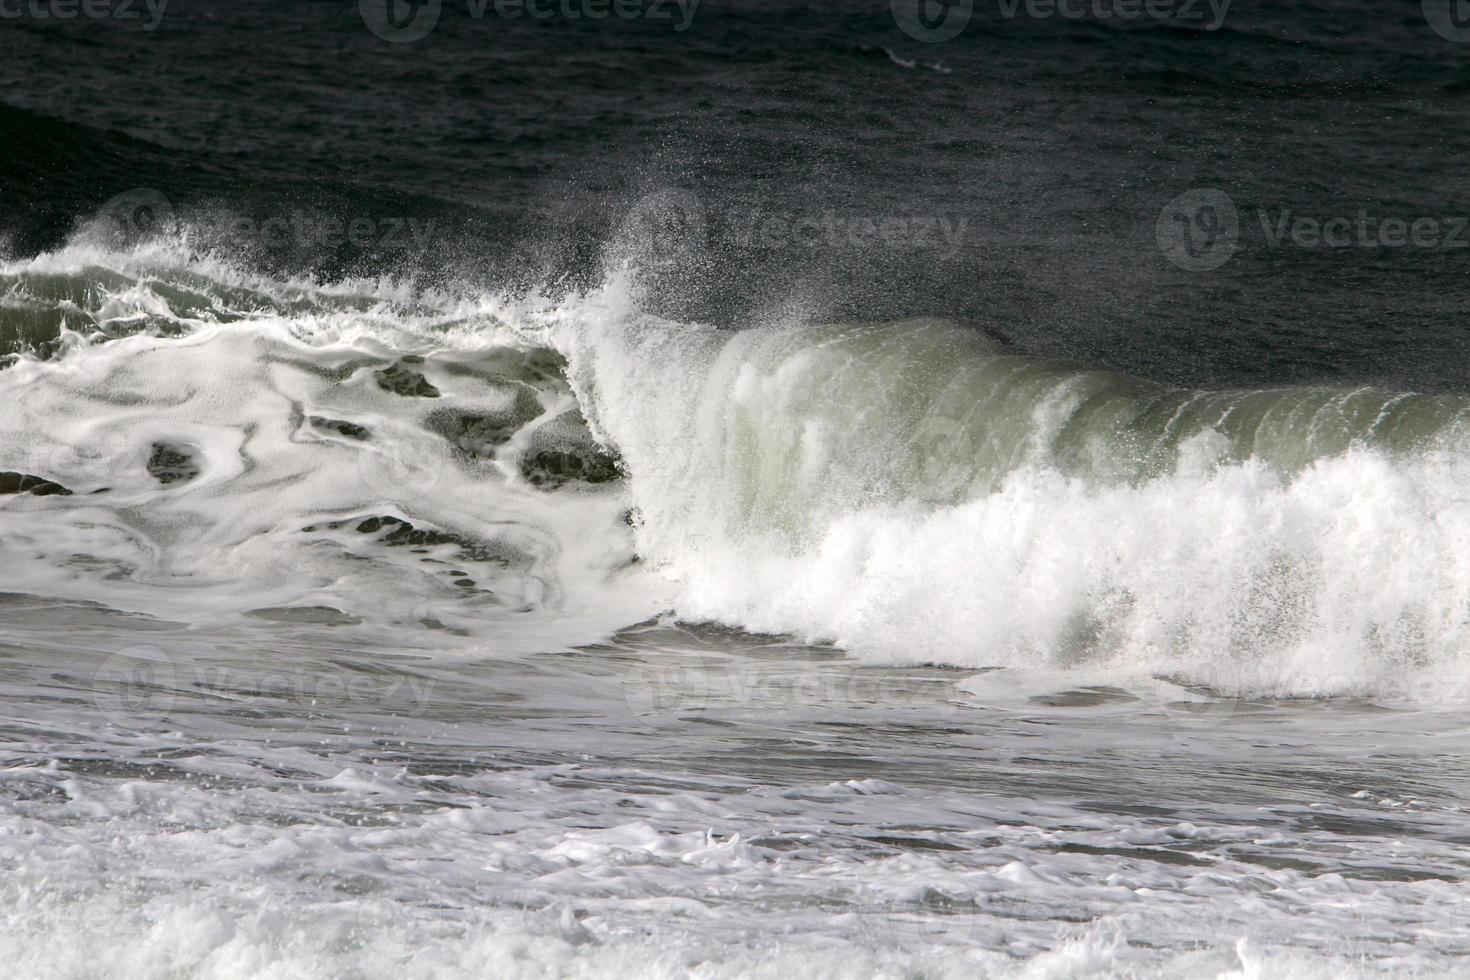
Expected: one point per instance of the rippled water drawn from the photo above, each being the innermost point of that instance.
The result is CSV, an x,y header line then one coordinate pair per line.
x,y
289,799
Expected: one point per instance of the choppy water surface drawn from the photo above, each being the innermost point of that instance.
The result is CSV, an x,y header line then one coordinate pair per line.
x,y
301,800
349,633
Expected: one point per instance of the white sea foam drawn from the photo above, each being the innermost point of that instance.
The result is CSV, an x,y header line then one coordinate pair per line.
x,y
331,758
910,492
855,485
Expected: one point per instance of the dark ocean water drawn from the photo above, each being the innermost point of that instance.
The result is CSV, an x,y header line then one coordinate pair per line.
x,y
1050,147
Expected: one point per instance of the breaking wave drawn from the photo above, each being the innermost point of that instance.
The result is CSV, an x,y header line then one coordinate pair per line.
x,y
532,470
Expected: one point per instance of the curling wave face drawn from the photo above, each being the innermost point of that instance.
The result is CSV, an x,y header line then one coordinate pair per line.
x,y
539,471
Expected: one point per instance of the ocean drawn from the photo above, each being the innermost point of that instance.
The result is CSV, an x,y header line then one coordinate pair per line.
x,y
637,488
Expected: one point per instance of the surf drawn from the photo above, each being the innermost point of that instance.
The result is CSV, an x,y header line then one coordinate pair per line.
x,y
537,469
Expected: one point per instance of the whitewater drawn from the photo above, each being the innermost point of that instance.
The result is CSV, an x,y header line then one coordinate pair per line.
x,y
451,631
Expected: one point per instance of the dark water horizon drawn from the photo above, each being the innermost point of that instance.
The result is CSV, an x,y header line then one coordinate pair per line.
x,y
809,156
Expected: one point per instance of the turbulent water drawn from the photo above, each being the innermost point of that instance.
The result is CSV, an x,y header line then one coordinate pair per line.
x,y
361,649
578,572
